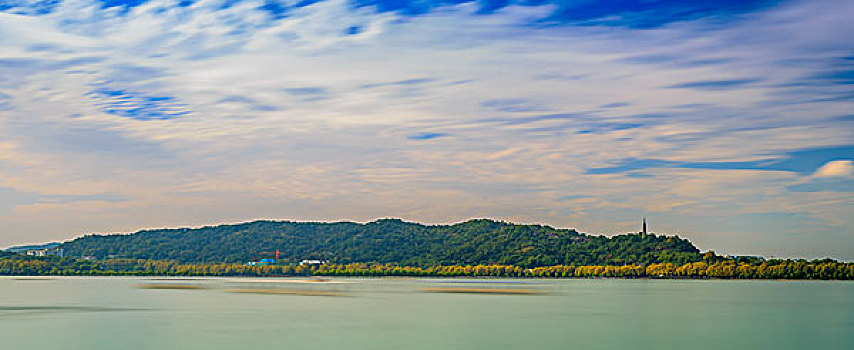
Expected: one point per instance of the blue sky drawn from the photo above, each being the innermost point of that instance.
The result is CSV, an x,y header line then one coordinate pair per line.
x,y
726,122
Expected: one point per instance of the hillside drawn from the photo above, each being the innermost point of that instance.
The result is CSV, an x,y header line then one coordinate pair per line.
x,y
388,241
24,248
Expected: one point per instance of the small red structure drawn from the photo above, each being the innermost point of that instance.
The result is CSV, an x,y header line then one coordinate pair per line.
x,y
276,252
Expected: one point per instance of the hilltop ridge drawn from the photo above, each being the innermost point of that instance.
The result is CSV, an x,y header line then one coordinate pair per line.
x,y
476,241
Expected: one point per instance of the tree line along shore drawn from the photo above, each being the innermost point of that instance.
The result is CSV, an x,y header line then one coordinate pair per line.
x,y
712,267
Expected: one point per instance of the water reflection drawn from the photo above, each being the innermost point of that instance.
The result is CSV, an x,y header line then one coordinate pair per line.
x,y
282,291
506,291
6,311
314,286
170,286
32,279
317,286
423,314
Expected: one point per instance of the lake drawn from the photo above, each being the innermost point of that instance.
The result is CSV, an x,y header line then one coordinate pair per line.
x,y
348,313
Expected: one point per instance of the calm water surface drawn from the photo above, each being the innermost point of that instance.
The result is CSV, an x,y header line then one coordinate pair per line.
x,y
114,313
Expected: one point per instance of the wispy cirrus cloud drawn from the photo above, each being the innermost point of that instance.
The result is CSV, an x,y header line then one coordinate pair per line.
x,y
800,161
131,104
426,136
513,105
715,85
9,199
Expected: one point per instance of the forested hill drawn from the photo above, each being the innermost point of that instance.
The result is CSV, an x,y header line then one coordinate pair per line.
x,y
388,241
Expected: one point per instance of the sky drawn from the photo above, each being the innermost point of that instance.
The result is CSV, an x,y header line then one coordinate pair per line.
x,y
730,123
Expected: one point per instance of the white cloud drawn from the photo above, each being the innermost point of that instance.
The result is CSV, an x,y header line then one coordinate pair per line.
x,y
836,168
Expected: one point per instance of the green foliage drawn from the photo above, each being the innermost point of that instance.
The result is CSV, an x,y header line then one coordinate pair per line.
x,y
13,264
474,242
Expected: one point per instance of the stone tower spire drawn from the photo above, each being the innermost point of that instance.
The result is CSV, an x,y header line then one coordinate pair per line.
x,y
643,233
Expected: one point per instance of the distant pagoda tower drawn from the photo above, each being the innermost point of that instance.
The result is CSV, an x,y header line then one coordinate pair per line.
x,y
643,232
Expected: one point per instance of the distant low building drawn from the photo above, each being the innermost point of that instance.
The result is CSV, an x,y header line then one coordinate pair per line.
x,y
36,249
262,262
745,257
313,262
46,252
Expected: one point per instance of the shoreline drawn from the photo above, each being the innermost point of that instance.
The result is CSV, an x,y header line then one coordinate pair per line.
x,y
338,279
712,268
